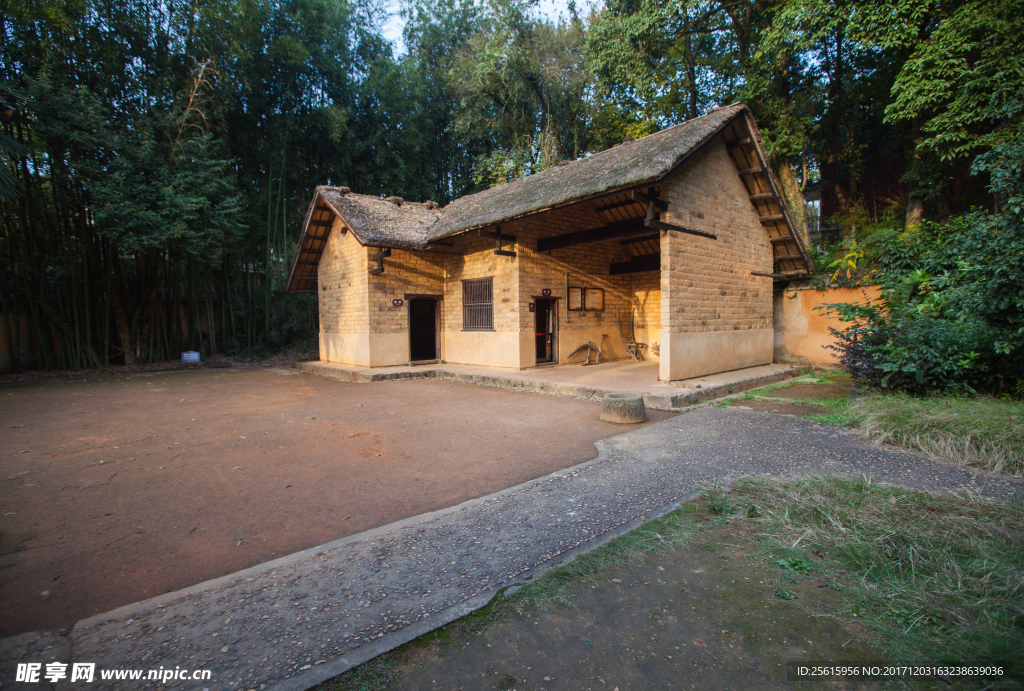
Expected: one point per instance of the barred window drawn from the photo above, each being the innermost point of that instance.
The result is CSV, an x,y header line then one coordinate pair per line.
x,y
478,305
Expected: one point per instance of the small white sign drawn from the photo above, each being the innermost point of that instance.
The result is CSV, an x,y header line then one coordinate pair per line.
x,y
190,356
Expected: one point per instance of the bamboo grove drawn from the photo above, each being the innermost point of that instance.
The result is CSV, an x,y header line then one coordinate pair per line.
x,y
157,156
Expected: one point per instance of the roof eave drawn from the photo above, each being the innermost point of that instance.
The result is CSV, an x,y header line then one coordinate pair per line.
x,y
581,200
302,241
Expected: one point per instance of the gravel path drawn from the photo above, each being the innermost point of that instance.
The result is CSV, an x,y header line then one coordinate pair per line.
x,y
291,623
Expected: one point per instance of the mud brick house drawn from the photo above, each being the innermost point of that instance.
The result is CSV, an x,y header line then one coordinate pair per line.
x,y
680,233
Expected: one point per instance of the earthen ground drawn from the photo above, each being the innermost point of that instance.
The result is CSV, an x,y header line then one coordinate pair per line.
x,y
701,617
821,389
778,407
122,488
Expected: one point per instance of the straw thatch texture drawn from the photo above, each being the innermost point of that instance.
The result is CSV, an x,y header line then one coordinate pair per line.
x,y
634,163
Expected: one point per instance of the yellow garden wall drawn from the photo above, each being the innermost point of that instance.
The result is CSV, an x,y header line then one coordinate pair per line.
x,y
801,331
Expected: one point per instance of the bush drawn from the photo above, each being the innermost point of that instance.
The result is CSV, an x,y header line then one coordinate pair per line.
x,y
951,315
902,348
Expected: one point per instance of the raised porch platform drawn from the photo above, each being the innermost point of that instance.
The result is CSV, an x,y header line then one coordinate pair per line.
x,y
577,381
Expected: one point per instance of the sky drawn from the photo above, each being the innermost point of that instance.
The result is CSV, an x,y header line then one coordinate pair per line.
x,y
393,27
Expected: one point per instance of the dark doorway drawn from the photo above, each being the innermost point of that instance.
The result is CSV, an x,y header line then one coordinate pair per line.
x,y
423,329
545,331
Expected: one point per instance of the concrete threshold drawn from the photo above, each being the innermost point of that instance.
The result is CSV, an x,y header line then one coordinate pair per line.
x,y
603,379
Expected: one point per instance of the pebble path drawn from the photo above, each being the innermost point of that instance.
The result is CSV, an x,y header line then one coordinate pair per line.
x,y
292,623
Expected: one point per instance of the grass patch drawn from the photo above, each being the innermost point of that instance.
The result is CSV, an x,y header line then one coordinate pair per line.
x,y
939,577
379,673
841,419
982,432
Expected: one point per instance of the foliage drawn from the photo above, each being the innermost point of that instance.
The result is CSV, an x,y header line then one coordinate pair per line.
x,y
671,60
951,316
966,78
524,86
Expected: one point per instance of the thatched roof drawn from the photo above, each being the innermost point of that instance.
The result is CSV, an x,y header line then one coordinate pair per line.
x,y
390,222
377,222
374,221
640,161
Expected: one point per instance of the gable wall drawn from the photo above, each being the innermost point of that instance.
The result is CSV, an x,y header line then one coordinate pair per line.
x,y
344,326
715,316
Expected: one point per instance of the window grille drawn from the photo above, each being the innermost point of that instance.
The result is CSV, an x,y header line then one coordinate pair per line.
x,y
478,305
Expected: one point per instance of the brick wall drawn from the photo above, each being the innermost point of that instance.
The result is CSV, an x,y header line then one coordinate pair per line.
x,y
343,270
707,284
473,257
405,273
715,316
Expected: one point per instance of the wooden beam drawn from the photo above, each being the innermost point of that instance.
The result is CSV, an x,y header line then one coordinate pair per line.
x,y
642,198
779,277
679,229
738,143
613,231
777,240
762,197
320,223
304,278
650,262
378,257
616,205
751,171
774,218
305,262
496,235
643,238
788,256
499,237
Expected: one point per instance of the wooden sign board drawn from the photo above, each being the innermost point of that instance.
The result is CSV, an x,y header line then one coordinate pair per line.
x,y
575,298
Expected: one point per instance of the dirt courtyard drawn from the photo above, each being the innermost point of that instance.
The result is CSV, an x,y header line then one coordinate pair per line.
x,y
118,489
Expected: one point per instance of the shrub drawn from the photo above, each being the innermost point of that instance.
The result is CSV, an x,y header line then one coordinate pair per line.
x,y
951,315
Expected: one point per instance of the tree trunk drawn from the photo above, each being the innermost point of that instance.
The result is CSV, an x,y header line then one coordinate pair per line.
x,y
121,325
915,203
794,198
915,212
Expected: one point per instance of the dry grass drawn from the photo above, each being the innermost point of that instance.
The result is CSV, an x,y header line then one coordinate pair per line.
x,y
941,577
982,432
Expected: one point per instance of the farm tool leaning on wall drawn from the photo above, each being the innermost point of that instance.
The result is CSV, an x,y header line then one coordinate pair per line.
x,y
633,349
589,348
